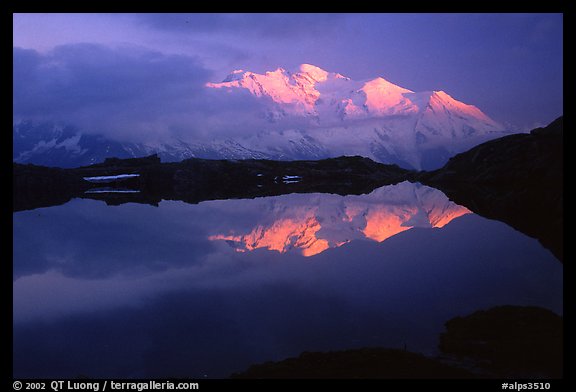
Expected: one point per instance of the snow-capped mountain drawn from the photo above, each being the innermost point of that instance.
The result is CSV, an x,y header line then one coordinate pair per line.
x,y
310,224
373,118
307,114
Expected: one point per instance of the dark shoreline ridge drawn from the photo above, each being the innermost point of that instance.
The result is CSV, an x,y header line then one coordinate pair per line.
x,y
517,179
195,180
504,342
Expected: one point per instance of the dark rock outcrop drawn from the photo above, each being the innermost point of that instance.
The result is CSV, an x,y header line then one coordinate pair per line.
x,y
501,342
517,179
508,341
365,363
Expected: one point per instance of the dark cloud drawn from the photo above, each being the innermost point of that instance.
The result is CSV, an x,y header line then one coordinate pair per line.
x,y
127,93
103,89
264,25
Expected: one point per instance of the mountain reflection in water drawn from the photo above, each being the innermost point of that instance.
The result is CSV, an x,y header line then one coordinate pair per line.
x,y
137,291
314,223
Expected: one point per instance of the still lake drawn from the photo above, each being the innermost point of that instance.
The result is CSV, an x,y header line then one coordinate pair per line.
x,y
205,290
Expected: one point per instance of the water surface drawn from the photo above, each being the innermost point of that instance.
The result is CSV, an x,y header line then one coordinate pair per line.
x,y
204,290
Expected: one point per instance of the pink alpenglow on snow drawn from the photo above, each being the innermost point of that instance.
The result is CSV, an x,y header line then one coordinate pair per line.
x,y
374,118
311,87
310,225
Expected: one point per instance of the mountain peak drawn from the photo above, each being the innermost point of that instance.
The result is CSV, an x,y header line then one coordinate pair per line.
x,y
317,73
237,74
386,98
384,85
277,71
443,100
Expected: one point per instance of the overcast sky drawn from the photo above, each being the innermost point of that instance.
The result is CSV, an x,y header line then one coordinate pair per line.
x,y
145,73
